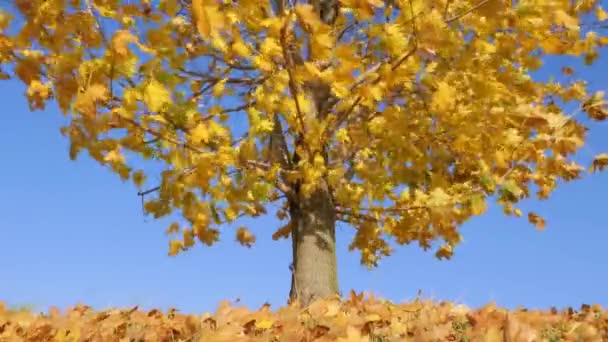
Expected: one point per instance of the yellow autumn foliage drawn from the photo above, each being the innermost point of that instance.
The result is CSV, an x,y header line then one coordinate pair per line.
x,y
413,113
356,318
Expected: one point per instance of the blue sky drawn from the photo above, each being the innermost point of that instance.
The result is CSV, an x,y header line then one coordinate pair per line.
x,y
73,232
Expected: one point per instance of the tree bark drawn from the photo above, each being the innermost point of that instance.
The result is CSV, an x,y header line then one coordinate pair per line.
x,y
314,267
313,219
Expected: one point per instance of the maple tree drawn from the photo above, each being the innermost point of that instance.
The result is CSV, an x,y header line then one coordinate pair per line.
x,y
401,118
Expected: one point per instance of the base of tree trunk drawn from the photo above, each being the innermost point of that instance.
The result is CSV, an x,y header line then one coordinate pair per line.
x,y
314,267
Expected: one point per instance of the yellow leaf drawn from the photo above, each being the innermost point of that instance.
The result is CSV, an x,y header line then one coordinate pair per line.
x,y
241,48
493,334
264,324
394,39
600,13
600,162
333,308
372,317
282,232
86,102
444,252
175,246
371,93
376,3
121,40
206,235
5,20
200,133
568,71
517,212
171,7
444,97
353,335
156,96
188,238
501,160
262,63
225,180
342,135
114,156
157,118
105,10
173,228
312,69
139,178
207,17
478,205
271,47
438,197
553,45
538,221
307,15
245,237
563,18
218,88
364,8
322,44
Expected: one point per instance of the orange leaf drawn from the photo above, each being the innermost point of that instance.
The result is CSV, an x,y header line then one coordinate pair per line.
x,y
536,220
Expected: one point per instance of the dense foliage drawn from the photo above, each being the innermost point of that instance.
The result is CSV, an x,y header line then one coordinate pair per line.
x,y
357,319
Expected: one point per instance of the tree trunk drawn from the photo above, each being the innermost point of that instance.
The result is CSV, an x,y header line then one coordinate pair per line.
x,y
314,267
313,220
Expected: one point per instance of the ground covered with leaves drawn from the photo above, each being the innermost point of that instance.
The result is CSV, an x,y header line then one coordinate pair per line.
x,y
357,318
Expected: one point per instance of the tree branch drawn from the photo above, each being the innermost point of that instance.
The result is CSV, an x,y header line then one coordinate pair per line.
x,y
343,214
341,117
292,85
230,80
464,13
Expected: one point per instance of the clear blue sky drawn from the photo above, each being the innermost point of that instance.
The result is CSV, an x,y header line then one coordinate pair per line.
x,y
73,232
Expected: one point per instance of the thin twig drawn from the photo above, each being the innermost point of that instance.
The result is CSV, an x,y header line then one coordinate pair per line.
x,y
464,13
344,30
343,115
184,172
149,191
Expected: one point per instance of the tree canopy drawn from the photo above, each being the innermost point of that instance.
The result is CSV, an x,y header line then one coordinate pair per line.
x,y
413,113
